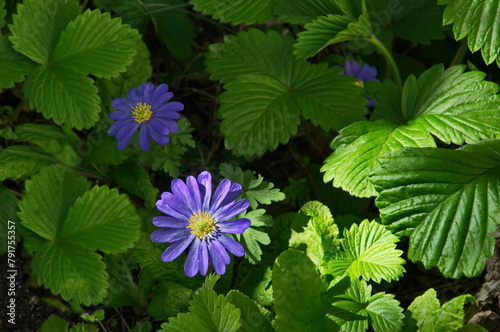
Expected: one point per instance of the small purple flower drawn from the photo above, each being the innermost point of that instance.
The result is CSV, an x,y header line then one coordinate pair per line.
x,y
362,73
198,220
146,111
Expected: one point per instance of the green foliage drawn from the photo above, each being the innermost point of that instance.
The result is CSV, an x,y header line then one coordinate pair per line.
x,y
13,65
268,88
453,106
169,299
448,200
302,12
8,218
75,222
54,324
253,317
2,13
431,316
19,161
478,22
236,11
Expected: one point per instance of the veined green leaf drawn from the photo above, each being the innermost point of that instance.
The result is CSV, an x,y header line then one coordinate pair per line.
x,y
252,318
3,12
7,216
236,11
478,21
251,238
96,44
75,272
64,95
101,219
448,200
305,11
168,299
13,65
37,26
18,161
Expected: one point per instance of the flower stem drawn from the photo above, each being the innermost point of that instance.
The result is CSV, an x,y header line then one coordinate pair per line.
x,y
390,60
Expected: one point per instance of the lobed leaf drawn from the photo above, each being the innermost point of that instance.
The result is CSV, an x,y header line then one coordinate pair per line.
x,y
303,12
236,11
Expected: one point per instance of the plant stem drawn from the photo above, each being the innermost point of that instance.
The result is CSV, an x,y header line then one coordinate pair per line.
x,y
459,56
390,60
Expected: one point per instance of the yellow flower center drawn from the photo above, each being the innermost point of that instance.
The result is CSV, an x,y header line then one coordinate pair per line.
x,y
202,224
141,112
360,83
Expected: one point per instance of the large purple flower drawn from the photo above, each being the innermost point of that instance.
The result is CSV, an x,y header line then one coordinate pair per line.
x,y
197,220
362,73
147,111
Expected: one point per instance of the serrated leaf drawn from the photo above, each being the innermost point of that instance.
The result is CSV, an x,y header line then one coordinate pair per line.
x,y
37,26
168,299
419,22
302,12
63,95
298,292
71,270
49,196
19,161
13,65
96,44
252,318
254,235
236,11
476,20
184,322
431,317
370,253
449,199
101,219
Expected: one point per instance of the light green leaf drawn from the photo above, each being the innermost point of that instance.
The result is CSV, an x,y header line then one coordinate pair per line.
x,y
37,26
13,65
298,292
251,238
49,196
478,21
101,219
252,318
370,252
449,199
184,322
236,11
431,317
19,161
75,272
63,95
96,44
168,299
419,21
302,12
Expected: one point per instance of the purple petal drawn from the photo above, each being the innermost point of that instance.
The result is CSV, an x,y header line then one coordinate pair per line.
x,y
192,261
218,257
170,235
220,251
219,195
157,136
203,257
231,245
176,249
125,135
161,125
234,192
205,181
122,104
170,205
134,97
231,210
146,92
160,93
115,127
170,108
181,191
237,226
120,115
169,222
144,138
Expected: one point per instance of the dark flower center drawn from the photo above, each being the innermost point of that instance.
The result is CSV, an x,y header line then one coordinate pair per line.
x,y
202,224
141,112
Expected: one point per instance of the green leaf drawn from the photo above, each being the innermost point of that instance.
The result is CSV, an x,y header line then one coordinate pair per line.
x,y
302,12
63,95
298,292
430,316
101,219
51,139
370,252
54,324
13,65
134,179
71,270
19,161
448,199
49,196
101,149
419,22
96,44
252,318
168,299
236,11
3,12
184,322
478,22
8,219
38,25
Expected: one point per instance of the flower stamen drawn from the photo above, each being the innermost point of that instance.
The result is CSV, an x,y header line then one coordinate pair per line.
x,y
202,224
360,83
141,112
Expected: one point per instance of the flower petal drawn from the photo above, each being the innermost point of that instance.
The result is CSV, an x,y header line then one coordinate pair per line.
x,y
176,249
237,226
125,134
170,205
205,181
170,109
203,257
234,192
231,245
181,191
170,235
157,136
220,251
218,257
144,138
231,210
161,95
169,222
122,104
194,192
192,261
219,195
120,115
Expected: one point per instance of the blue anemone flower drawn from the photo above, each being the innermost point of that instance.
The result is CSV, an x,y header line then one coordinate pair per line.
x,y
197,221
362,73
148,111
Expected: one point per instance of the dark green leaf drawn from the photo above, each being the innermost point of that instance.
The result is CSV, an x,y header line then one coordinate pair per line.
x,y
13,65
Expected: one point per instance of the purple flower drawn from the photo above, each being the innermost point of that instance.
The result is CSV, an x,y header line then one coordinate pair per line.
x,y
146,111
362,73
197,222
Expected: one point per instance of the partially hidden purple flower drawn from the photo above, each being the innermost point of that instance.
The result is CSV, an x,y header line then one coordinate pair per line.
x,y
362,73
197,221
148,111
